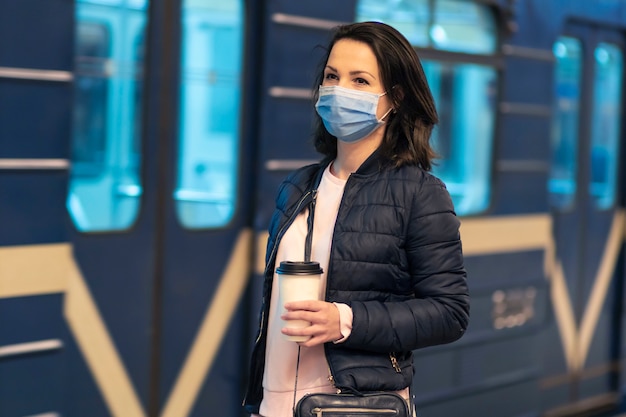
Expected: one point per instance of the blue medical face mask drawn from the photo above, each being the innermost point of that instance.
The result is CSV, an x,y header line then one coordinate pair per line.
x,y
349,115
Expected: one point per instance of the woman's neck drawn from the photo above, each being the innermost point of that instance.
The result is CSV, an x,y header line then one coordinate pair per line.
x,y
350,156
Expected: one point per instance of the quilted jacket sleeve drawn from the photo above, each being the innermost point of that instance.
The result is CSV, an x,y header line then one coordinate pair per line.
x,y
438,312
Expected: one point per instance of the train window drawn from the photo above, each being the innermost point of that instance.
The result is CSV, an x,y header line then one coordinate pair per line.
x,y
463,26
465,93
209,112
451,25
605,124
90,96
409,17
465,97
567,75
105,184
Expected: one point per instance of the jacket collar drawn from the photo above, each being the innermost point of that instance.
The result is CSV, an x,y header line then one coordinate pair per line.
x,y
371,165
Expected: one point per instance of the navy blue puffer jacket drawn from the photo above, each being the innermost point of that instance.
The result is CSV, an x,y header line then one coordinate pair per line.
x,y
396,260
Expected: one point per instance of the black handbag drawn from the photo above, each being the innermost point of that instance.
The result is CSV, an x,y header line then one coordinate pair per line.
x,y
374,404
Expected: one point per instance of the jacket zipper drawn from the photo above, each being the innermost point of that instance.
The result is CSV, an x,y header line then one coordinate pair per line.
x,y
394,363
331,378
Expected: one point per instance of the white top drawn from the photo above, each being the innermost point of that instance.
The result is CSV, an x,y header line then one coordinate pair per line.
x,y
281,354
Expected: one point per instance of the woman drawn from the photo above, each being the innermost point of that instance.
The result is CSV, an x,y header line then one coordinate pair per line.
x,y
385,234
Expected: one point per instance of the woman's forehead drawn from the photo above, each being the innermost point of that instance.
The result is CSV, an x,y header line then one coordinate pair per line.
x,y
352,55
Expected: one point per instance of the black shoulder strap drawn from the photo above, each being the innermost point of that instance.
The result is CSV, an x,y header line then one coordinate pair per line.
x,y
309,221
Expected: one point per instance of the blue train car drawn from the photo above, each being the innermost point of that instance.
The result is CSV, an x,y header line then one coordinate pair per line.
x,y
141,146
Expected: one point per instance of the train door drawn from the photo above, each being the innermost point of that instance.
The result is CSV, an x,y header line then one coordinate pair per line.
x,y
160,240
35,103
587,218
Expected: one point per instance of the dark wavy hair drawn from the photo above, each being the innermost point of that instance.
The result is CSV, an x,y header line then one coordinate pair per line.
x,y
409,126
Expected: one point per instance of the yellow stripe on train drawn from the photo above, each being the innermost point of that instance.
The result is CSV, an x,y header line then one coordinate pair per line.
x,y
47,269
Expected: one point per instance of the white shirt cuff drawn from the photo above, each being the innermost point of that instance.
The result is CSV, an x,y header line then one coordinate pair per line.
x,y
345,321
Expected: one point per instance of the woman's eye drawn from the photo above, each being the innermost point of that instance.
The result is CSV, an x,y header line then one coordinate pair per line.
x,y
361,81
330,76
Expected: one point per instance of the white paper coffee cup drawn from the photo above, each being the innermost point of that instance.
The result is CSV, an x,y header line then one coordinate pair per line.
x,y
298,281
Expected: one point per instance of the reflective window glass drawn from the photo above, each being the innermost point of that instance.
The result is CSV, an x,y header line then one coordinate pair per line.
x,y
465,94
452,25
209,112
564,137
105,185
605,128
463,26
410,17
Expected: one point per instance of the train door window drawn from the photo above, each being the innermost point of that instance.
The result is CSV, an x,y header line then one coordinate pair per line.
x,y
105,184
605,124
91,96
567,74
209,112
465,92
465,97
409,17
463,26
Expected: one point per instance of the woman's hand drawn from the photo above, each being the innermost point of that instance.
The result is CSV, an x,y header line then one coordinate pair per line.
x,y
324,318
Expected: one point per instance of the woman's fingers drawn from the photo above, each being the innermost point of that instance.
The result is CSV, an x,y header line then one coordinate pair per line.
x,y
324,319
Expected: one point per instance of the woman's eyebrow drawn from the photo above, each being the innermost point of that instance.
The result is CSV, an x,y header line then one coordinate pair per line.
x,y
356,72
362,72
